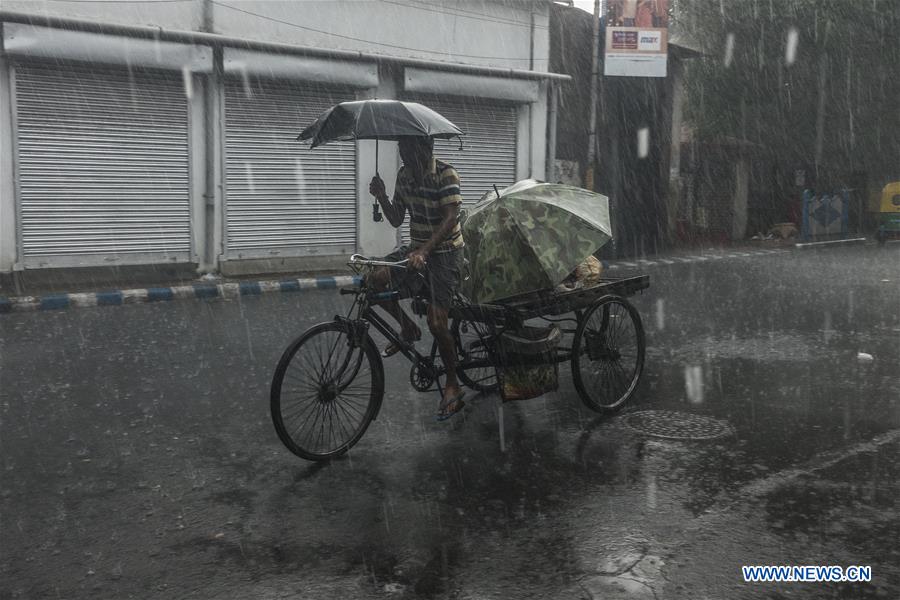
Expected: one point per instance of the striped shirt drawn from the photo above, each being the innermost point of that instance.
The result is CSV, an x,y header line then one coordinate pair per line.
x,y
440,187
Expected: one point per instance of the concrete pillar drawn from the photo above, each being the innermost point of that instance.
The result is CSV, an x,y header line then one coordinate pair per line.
x,y
538,136
523,143
741,195
531,135
674,180
212,206
7,174
376,239
195,90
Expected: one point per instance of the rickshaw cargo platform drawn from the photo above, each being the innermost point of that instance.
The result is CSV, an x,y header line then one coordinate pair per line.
x,y
515,310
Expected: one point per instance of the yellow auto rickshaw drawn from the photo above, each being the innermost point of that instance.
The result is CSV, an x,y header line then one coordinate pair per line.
x,y
888,215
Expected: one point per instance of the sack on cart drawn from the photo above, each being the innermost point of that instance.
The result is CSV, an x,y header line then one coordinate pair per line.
x,y
528,366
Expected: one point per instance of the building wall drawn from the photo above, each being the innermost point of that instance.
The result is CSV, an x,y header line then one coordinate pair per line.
x,y
638,186
482,32
494,33
186,15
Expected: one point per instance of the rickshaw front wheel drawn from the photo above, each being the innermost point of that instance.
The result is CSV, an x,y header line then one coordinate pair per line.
x,y
327,388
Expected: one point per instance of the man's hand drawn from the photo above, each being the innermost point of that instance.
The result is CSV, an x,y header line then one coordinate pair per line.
x,y
377,189
417,259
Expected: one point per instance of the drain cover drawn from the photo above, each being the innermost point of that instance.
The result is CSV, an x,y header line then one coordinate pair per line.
x,y
677,425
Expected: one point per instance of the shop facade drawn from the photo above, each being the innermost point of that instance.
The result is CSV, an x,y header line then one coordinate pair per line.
x,y
126,145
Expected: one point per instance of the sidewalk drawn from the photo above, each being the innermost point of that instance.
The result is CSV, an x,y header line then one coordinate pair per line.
x,y
59,295
168,283
204,288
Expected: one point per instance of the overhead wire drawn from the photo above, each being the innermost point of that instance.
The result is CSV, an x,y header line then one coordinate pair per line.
x,y
120,1
463,13
355,39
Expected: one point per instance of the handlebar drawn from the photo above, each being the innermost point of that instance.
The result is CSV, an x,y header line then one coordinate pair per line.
x,y
360,260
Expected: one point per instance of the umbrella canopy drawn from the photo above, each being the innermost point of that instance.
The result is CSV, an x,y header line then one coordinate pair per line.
x,y
377,120
531,237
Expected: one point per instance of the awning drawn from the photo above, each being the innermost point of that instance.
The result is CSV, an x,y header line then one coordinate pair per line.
x,y
426,81
45,42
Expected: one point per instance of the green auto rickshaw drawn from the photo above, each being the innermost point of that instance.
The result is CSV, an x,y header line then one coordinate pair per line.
x,y
888,215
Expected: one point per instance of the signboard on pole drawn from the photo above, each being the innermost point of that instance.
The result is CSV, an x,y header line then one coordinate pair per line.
x,y
636,38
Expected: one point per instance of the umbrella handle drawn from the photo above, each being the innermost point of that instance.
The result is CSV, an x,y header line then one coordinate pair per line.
x,y
376,212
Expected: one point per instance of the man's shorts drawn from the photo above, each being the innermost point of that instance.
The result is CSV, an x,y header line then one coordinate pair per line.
x,y
442,276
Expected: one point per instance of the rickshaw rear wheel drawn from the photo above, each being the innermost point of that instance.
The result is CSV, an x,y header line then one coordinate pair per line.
x,y
472,340
608,354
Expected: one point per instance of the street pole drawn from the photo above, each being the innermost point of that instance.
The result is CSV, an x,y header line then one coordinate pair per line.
x,y
595,67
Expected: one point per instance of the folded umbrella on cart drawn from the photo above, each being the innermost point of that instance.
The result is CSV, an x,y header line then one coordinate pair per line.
x,y
531,236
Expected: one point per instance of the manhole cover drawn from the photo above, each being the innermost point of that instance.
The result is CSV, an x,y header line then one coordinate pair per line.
x,y
677,425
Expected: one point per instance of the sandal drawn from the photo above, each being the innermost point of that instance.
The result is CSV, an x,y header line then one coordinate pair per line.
x,y
444,411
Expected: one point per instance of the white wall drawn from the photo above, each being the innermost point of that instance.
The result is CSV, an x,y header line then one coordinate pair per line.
x,y
186,15
481,32
493,33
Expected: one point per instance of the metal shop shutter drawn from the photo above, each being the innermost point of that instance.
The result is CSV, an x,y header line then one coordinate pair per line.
x,y
102,165
488,156
281,197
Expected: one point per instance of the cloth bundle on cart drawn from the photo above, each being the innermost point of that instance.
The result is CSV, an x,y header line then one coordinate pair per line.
x,y
528,367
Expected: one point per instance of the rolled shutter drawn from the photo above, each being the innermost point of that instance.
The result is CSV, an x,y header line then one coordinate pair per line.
x,y
488,154
103,165
281,197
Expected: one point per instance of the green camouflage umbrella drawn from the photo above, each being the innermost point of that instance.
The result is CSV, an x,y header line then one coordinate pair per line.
x,y
531,237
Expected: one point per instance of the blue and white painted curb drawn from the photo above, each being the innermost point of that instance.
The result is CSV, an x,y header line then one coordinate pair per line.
x,y
165,294
255,288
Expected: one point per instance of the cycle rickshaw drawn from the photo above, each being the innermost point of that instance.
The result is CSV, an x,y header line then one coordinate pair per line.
x,y
329,384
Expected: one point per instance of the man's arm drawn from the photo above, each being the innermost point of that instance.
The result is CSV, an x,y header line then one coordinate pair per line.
x,y
394,211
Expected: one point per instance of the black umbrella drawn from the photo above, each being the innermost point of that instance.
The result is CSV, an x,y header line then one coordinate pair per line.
x,y
377,120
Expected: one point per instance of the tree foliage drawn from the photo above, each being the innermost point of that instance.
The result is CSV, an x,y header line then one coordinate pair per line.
x,y
814,82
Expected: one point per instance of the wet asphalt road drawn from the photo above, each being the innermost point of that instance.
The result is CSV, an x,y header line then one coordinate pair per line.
x,y
139,459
